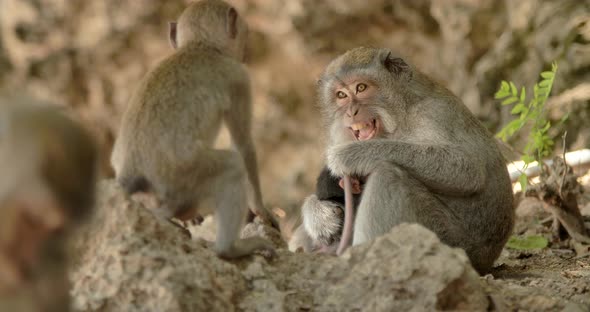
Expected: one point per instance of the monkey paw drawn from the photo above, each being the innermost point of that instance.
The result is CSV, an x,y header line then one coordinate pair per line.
x,y
349,159
335,159
356,185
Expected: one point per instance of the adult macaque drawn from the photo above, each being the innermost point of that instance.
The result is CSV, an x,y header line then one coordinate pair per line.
x,y
427,158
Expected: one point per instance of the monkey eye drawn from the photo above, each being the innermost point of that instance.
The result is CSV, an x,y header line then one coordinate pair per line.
x,y
361,87
340,95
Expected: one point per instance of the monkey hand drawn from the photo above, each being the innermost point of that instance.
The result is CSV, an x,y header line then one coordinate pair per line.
x,y
356,185
349,159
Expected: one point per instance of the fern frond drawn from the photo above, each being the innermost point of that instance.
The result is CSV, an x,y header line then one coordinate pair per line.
x,y
539,144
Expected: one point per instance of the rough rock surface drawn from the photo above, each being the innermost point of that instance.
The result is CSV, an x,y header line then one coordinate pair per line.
x,y
129,261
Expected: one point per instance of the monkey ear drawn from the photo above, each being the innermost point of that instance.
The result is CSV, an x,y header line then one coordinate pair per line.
x,y
395,65
172,34
232,23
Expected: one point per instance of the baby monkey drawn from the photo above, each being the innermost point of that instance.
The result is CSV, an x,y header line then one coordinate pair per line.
x,y
323,215
165,143
46,187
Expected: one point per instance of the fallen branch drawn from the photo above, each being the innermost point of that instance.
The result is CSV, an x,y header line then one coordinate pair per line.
x,y
574,159
558,190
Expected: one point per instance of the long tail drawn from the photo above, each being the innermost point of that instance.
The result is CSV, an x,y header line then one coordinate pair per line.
x,y
346,238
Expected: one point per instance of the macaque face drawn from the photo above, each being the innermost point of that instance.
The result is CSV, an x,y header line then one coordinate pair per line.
x,y
360,94
354,99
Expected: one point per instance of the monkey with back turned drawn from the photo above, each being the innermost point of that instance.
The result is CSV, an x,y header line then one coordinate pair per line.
x,y
165,142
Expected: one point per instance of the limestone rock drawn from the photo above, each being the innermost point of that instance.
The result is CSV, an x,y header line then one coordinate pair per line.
x,y
130,261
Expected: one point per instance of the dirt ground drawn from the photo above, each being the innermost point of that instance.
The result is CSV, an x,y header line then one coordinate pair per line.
x,y
554,278
542,280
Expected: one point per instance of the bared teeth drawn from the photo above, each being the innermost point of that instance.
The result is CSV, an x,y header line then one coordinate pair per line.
x,y
358,126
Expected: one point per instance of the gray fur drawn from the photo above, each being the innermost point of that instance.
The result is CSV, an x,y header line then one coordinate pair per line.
x,y
322,215
322,220
165,143
433,164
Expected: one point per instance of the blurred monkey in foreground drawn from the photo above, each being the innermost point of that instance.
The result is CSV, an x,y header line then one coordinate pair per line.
x,y
47,186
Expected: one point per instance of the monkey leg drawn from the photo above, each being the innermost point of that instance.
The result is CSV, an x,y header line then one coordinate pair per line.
x,y
391,196
231,210
221,176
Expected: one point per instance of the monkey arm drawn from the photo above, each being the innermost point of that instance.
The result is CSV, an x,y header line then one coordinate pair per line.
x,y
443,168
239,124
248,151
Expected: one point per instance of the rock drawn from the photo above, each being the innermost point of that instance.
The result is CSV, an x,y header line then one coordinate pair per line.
x,y
130,261
407,269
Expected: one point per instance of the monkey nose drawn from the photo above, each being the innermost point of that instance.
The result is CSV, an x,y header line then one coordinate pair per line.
x,y
351,112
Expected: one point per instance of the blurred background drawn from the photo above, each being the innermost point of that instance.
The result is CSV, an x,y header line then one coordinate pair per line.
x,y
89,56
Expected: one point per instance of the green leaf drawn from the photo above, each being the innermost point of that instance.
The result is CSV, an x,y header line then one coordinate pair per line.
x,y
504,85
533,242
538,140
547,74
513,89
501,94
546,127
527,159
522,95
544,83
523,182
549,142
509,100
517,109
509,129
501,135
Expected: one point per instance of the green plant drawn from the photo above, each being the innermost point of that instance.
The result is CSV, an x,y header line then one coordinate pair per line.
x,y
533,242
539,144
